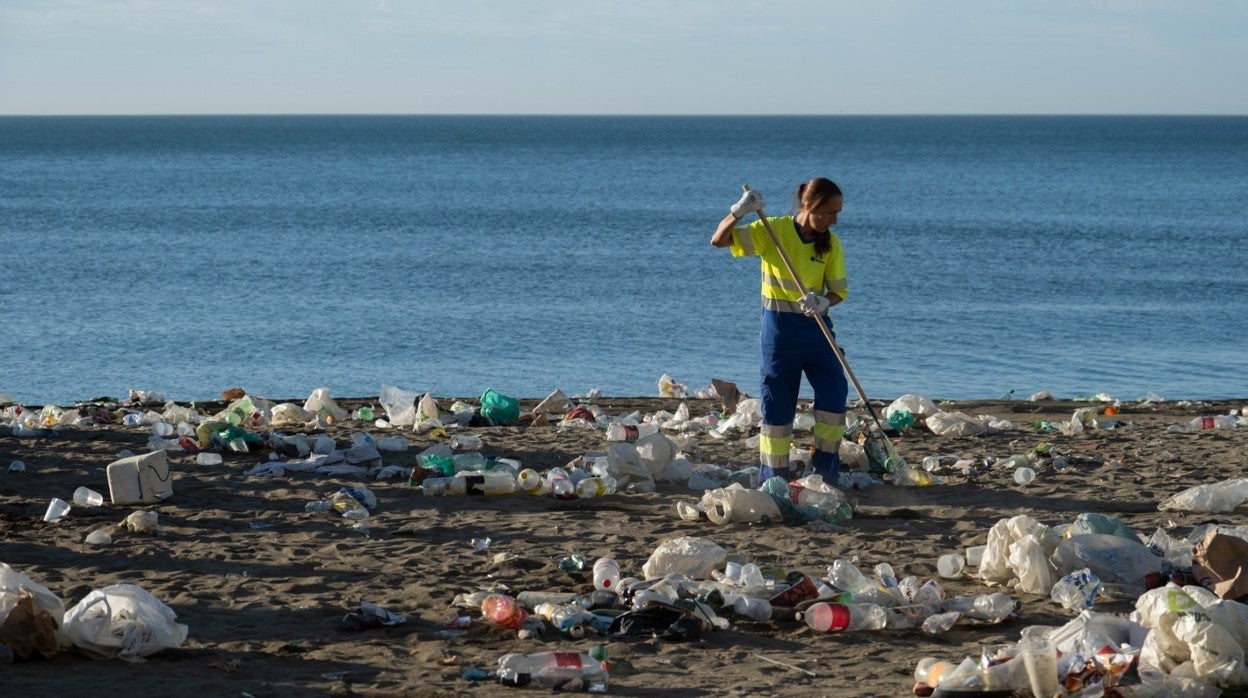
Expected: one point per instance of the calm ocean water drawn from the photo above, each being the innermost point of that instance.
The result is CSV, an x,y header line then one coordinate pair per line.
x,y
453,254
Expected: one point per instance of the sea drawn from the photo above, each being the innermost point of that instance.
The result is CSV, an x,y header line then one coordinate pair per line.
x,y
988,256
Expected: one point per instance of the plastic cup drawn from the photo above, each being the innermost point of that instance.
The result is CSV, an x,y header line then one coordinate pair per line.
x,y
950,566
1040,660
87,497
56,509
975,554
99,536
1024,476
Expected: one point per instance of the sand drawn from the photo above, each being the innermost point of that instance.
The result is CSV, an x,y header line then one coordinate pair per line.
x,y
263,586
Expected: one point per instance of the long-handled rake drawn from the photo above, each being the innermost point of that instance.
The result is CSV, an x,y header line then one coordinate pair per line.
x,y
893,463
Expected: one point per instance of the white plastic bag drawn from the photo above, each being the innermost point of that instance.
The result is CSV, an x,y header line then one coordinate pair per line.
x,y
321,402
122,620
690,556
1029,563
916,405
1114,559
1213,498
956,424
399,404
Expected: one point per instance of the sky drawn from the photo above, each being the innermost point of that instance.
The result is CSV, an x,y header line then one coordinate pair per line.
x,y
623,57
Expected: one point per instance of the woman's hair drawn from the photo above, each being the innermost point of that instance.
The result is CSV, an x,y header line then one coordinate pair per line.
x,y
810,196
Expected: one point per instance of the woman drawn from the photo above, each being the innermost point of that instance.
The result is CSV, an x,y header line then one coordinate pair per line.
x,y
792,343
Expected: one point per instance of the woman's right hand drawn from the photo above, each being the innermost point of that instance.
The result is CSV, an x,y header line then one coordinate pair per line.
x,y
750,202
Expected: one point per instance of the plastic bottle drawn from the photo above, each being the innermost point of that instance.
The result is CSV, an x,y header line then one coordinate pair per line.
x,y
466,442
587,671
606,574
753,608
627,432
560,484
929,671
1223,421
1024,476
1077,591
503,611
469,461
831,617
471,484
983,607
595,487
318,506
530,481
844,575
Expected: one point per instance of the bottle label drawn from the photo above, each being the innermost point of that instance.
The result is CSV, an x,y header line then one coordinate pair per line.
x,y
567,660
1206,423
475,484
839,616
630,432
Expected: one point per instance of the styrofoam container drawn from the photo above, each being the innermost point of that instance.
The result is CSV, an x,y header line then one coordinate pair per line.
x,y
142,479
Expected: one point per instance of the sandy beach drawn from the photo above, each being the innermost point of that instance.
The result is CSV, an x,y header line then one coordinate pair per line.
x,y
264,585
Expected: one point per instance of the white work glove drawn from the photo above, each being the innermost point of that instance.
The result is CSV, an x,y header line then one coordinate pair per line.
x,y
750,202
814,304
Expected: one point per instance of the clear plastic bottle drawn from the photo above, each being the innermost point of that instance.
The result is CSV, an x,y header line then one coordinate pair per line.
x,y
832,617
844,575
983,607
595,487
466,442
1076,591
606,574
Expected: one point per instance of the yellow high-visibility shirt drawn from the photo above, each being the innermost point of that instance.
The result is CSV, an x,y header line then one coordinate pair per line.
x,y
818,274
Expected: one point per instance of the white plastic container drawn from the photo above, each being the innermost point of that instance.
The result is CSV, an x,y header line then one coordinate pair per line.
x,y
142,479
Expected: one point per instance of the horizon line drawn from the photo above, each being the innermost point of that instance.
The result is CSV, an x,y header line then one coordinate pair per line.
x,y
633,115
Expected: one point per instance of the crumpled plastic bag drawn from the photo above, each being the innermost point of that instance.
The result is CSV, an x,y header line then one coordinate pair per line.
x,y
1113,559
749,414
320,402
30,615
668,387
916,405
289,414
1220,563
399,404
1184,641
124,621
963,424
690,556
498,408
1000,564
1212,498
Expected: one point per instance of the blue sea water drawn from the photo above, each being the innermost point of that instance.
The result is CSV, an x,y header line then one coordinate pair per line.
x,y
185,255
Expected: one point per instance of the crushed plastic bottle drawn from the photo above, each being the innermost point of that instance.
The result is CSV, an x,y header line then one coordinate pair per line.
x,y
1077,591
564,671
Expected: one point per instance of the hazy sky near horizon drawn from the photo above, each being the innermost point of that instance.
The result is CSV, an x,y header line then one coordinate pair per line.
x,y
623,56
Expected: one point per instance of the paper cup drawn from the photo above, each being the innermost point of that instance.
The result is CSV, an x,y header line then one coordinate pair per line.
x,y
56,509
